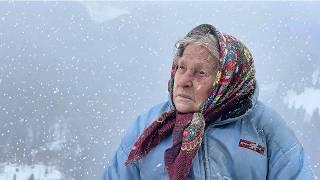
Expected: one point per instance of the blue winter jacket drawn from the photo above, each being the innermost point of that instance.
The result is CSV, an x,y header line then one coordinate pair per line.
x,y
256,145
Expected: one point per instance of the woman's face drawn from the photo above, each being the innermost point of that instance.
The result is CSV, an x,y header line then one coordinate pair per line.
x,y
193,79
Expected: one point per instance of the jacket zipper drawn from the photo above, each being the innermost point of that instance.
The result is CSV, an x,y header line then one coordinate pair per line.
x,y
204,159
203,144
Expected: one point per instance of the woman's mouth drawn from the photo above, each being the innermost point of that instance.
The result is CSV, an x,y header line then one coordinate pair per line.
x,y
184,96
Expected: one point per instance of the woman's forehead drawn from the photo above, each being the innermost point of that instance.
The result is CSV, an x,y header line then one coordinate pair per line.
x,y
196,53
195,48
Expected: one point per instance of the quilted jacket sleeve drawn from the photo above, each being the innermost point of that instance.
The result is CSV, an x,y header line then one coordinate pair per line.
x,y
286,157
117,170
292,164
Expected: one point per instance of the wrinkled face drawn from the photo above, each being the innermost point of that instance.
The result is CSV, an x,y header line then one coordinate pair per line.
x,y
193,79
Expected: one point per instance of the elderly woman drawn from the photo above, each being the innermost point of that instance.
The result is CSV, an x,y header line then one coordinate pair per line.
x,y
213,126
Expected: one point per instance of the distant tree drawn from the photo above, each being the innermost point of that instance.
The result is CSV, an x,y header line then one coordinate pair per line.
x,y
46,172
31,177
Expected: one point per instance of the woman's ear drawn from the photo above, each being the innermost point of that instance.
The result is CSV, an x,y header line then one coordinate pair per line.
x,y
180,50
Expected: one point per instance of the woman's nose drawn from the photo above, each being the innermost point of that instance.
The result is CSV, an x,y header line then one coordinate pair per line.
x,y
186,80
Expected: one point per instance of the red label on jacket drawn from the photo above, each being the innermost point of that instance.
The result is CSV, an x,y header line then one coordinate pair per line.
x,y
252,146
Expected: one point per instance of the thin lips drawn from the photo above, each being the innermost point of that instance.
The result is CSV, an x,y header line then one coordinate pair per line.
x,y
185,96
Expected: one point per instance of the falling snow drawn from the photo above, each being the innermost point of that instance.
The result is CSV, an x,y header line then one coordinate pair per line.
x,y
73,76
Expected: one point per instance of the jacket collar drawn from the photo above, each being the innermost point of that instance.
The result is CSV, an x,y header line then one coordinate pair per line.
x,y
240,111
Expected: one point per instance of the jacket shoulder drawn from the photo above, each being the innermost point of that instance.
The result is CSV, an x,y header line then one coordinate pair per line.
x,y
278,135
140,123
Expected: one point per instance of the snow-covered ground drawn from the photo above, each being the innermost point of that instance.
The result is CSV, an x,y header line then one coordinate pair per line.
x,y
29,172
309,100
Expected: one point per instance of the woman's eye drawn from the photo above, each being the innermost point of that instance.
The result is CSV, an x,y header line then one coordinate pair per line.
x,y
181,67
202,72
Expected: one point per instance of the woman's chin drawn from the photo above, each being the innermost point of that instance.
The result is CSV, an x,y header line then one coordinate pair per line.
x,y
184,108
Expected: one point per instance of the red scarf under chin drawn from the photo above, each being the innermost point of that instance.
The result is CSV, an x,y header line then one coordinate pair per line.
x,y
187,132
184,148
